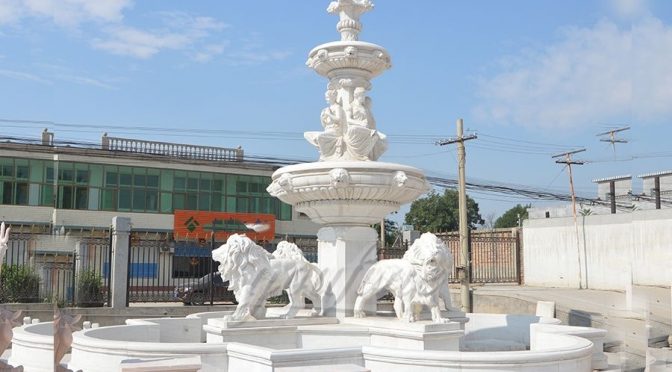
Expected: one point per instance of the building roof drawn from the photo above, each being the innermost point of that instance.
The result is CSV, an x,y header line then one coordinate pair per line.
x,y
609,179
656,174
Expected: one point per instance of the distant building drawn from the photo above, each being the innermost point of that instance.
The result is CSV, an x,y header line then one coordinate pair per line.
x,y
72,188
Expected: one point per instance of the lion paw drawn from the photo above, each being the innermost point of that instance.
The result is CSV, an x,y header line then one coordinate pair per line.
x,y
359,314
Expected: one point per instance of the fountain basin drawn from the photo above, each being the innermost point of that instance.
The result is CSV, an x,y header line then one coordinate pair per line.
x,y
33,347
348,192
350,58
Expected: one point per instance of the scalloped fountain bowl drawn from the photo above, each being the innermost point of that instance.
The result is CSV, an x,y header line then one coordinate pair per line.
x,y
348,192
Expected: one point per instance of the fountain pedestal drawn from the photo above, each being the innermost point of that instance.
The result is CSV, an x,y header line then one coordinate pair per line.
x,y
344,255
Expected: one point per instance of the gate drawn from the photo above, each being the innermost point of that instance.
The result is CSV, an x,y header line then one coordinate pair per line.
x,y
494,255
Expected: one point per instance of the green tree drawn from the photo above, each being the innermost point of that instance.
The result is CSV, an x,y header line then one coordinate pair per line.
x,y
513,216
391,231
440,213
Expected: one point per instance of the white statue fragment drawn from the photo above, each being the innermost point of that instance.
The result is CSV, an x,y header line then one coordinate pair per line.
x,y
254,275
418,279
8,320
4,239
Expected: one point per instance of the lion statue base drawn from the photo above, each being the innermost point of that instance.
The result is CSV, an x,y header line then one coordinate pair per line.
x,y
417,280
255,275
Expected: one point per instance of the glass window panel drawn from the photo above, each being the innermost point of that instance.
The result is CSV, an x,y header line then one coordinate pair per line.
x,y
230,204
82,176
217,185
50,174
82,198
204,202
205,184
231,184
125,179
285,212
109,203
47,196
241,187
152,201
216,202
22,193
111,179
65,197
265,205
139,201
180,183
166,180
66,175
22,172
124,199
178,201
153,181
8,170
166,202
139,180
254,205
192,201
242,205
7,192
36,170
192,183
96,175
21,162
153,171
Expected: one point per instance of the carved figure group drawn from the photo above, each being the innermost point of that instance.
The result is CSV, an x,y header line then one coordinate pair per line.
x,y
349,127
418,279
255,275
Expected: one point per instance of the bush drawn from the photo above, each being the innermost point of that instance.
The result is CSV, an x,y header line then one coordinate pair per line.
x,y
89,289
19,284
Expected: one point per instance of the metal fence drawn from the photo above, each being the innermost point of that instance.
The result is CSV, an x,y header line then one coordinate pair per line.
x,y
65,269
494,254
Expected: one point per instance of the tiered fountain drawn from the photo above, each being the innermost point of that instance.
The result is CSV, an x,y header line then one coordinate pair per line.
x,y
346,191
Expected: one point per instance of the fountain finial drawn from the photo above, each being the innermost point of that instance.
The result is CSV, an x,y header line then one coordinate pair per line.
x,y
349,11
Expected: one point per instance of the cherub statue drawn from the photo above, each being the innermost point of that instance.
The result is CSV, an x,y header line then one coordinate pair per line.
x,y
333,118
362,139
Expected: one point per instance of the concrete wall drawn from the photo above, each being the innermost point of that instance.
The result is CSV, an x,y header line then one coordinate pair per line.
x,y
610,249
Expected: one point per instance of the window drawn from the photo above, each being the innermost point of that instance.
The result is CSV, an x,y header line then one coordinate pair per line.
x,y
14,181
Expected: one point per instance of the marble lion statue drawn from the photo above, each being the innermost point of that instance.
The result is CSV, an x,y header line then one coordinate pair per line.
x,y
418,279
254,275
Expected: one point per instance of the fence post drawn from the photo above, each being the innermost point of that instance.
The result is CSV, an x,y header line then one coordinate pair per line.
x,y
121,229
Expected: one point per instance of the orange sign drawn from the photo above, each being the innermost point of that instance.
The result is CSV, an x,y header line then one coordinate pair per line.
x,y
200,225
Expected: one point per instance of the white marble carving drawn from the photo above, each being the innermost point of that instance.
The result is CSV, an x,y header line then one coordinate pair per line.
x,y
289,250
419,279
349,12
254,276
4,239
64,326
8,320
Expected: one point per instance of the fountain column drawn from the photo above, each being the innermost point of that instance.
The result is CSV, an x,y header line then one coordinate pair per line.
x,y
347,190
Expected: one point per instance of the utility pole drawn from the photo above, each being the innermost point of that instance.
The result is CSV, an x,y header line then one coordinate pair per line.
x,y
612,136
568,161
464,270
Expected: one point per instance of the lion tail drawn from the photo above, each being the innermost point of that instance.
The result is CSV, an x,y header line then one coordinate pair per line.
x,y
317,277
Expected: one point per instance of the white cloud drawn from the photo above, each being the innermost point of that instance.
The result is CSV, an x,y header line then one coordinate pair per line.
x,y
64,12
181,31
630,8
18,75
593,75
83,80
138,43
209,52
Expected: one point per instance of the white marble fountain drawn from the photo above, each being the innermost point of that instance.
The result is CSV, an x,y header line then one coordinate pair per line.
x,y
346,191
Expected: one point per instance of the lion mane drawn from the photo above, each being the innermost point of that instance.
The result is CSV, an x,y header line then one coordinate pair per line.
x,y
418,279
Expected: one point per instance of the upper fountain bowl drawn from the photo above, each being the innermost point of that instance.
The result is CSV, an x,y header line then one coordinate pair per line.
x,y
347,192
348,57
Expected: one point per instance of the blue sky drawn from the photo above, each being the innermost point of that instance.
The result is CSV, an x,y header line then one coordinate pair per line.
x,y
531,77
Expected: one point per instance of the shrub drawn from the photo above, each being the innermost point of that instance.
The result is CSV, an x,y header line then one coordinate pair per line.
x,y
19,284
89,289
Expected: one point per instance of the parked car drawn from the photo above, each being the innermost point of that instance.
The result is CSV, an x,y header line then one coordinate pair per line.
x,y
198,292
